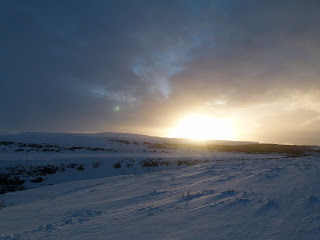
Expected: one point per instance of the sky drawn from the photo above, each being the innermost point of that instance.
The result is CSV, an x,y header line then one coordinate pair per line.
x,y
143,66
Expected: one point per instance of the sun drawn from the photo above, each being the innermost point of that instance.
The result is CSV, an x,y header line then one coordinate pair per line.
x,y
203,128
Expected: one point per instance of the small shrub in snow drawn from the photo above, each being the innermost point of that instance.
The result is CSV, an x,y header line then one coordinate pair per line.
x,y
117,165
150,163
48,169
229,191
167,163
81,167
72,165
180,162
96,164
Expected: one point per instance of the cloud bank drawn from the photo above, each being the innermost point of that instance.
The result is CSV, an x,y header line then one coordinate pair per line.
x,y
66,65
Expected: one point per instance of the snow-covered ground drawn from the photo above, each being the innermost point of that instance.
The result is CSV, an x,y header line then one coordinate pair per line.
x,y
140,190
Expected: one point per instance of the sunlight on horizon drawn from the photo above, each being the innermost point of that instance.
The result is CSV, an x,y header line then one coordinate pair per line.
x,y
200,127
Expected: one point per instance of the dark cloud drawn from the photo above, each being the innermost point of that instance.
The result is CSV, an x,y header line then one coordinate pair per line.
x,y
65,65
261,50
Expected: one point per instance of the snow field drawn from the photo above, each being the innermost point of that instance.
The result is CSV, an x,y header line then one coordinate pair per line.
x,y
252,199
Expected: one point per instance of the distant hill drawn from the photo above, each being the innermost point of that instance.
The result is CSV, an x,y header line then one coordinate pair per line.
x,y
100,138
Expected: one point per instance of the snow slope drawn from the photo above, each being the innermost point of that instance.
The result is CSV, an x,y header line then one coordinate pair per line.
x,y
175,194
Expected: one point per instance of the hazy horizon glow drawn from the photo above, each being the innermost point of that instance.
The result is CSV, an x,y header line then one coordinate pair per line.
x,y
199,127
144,66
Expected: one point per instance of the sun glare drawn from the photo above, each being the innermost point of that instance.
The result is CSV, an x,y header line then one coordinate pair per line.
x,y
203,128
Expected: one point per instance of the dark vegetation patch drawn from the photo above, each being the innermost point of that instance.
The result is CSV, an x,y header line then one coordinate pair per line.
x,y
37,180
7,179
32,145
81,167
53,148
129,165
96,164
72,165
159,162
49,150
10,183
6,143
292,150
189,162
264,148
245,148
117,165
12,178
150,163
44,170
127,162
122,141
